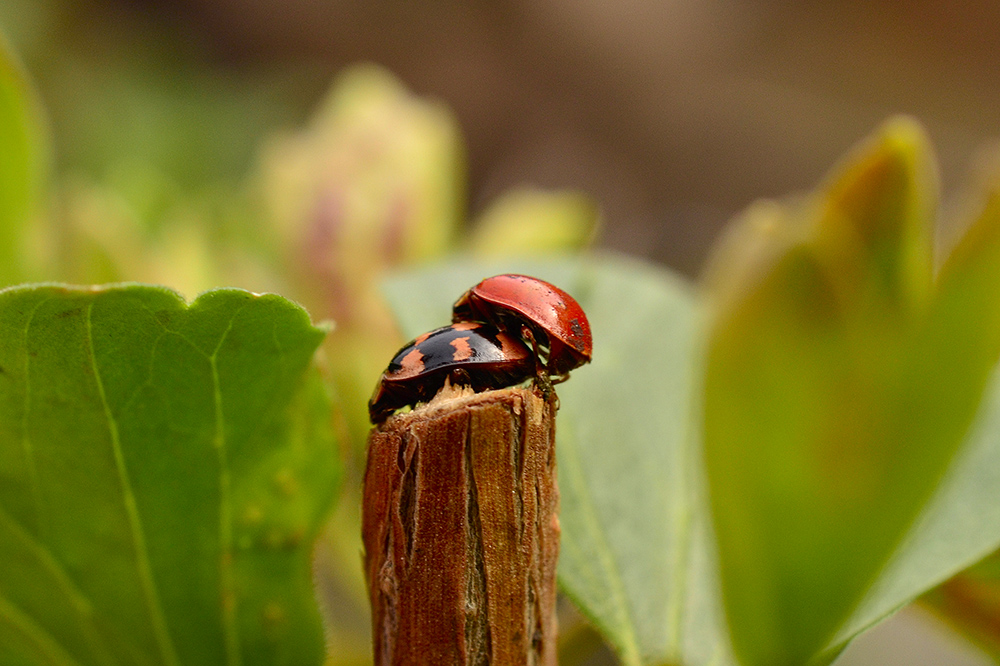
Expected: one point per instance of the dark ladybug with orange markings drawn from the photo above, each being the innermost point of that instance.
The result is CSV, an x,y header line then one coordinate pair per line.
x,y
535,311
469,353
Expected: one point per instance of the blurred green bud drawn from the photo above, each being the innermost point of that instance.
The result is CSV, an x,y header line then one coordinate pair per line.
x,y
875,216
748,248
374,181
24,162
527,222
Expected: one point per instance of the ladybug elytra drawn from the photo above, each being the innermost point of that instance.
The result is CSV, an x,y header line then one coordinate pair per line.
x,y
536,311
470,353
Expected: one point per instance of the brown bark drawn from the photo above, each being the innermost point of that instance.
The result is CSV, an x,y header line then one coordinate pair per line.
x,y
461,532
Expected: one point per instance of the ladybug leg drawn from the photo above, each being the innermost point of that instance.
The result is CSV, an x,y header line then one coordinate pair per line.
x,y
528,336
542,379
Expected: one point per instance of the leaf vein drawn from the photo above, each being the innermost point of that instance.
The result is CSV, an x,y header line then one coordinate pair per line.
x,y
26,443
42,639
629,651
148,382
167,651
77,598
227,580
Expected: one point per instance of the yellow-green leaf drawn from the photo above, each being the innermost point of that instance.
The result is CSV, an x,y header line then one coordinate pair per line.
x,y
815,462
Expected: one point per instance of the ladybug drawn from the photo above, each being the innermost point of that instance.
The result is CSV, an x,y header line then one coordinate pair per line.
x,y
539,312
470,353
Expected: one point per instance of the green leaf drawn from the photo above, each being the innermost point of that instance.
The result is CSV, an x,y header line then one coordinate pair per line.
x,y
634,555
22,161
840,384
956,528
164,470
962,523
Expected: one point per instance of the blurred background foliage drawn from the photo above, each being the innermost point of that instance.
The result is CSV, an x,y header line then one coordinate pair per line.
x,y
198,143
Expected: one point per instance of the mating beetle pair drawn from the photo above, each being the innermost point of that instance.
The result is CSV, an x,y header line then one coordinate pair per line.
x,y
505,330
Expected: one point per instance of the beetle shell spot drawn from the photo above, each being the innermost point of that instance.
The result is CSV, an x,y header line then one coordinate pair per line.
x,y
463,349
578,334
507,344
414,361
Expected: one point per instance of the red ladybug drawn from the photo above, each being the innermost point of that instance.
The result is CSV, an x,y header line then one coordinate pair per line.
x,y
537,311
470,353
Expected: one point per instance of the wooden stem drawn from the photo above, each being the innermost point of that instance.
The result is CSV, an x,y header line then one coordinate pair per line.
x,y
461,532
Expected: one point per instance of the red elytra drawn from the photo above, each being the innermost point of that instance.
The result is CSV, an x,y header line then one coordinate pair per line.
x,y
552,317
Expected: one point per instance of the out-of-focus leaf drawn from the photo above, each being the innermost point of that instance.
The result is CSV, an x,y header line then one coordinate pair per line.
x,y
956,354
959,526
626,468
164,470
634,553
747,248
530,222
839,386
844,423
803,372
964,521
22,161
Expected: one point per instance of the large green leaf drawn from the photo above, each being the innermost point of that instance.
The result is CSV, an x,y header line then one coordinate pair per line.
x,y
21,160
164,469
962,522
840,385
633,553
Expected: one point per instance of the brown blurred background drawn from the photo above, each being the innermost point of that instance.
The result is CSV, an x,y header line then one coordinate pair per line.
x,y
673,114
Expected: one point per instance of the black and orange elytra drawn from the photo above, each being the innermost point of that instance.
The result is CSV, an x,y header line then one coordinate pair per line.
x,y
469,353
536,311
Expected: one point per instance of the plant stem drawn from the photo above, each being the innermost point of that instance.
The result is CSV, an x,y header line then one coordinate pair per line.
x,y
461,532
